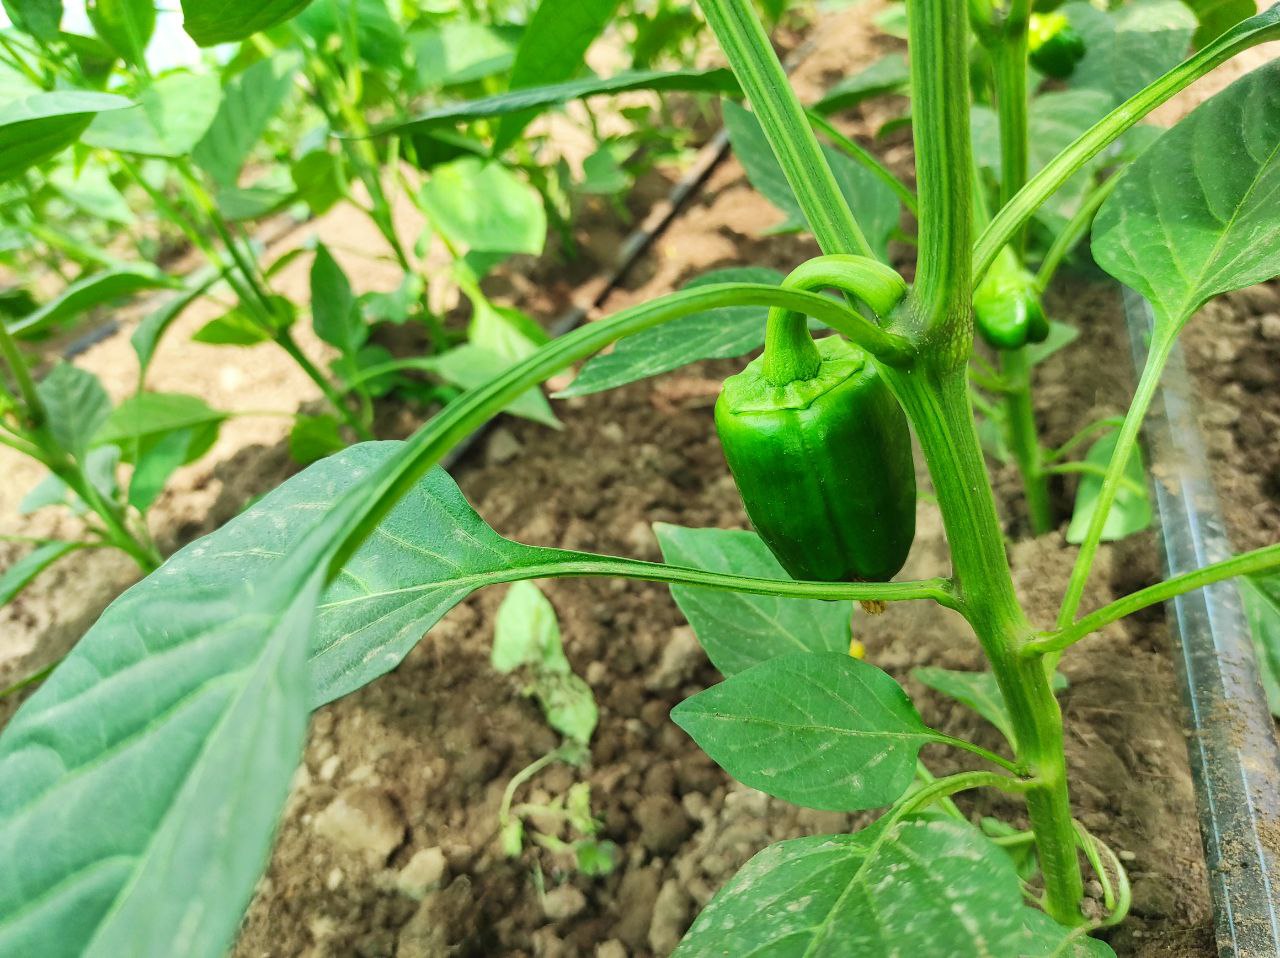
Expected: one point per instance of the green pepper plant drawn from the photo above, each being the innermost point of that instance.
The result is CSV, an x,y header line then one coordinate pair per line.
x,y
157,757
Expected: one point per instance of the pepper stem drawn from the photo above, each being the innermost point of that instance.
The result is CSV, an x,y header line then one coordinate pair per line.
x,y
790,354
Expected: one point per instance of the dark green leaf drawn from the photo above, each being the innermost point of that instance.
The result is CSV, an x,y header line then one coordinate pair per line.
x,y
379,37
874,204
19,575
1262,606
738,630
930,887
76,406
125,25
1198,214
317,180
41,125
210,22
233,328
314,437
820,729
85,294
249,102
1131,511
1129,46
1216,17
553,48
171,117
334,314
889,74
541,97
715,334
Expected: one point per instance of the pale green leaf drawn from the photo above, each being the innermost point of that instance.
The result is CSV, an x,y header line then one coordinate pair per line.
x,y
95,290
461,51
19,575
714,334
248,104
526,632
820,729
1198,213
738,630
469,366
931,887
1131,510
484,207
1129,46
171,117
91,189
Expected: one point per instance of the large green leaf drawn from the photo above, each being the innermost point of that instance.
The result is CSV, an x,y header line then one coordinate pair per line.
x,y
554,94
739,630
484,207
169,736
210,22
36,127
249,102
820,729
85,294
76,405
1129,46
1198,213
874,204
171,117
125,25
930,888
1262,606
715,334
39,18
552,49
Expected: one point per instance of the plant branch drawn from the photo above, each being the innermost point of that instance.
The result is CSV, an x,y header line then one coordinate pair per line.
x,y
1015,214
856,151
754,63
1266,559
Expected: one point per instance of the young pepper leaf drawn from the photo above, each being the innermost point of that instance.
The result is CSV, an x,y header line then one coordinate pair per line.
x,y
738,630
831,896
820,729
1262,607
1131,511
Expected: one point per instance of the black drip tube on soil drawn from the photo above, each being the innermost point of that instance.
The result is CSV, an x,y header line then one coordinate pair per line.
x,y
1235,757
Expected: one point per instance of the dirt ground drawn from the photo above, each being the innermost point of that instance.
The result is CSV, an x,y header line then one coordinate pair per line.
x,y
389,844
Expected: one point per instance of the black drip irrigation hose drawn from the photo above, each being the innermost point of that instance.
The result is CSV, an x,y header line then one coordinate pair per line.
x,y
1235,758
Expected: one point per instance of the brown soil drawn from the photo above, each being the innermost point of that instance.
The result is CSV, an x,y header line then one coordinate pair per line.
x,y
411,768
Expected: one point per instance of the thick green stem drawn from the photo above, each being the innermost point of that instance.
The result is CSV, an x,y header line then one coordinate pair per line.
x,y
1024,439
938,405
935,395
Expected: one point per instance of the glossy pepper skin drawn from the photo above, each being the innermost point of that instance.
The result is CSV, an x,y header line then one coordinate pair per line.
x,y
824,466
1006,306
1055,45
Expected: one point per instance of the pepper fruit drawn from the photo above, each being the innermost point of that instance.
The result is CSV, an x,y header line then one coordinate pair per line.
x,y
823,464
1006,305
1055,45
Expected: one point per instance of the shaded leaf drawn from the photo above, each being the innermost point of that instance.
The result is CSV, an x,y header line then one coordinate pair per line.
x,y
714,334
820,729
125,25
36,127
1129,46
76,405
1216,17
738,630
1131,510
334,313
39,18
314,437
249,101
85,294
978,691
889,74
542,97
209,22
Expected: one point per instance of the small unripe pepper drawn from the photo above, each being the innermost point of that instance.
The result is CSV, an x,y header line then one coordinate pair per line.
x,y
1055,45
1006,305
823,461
